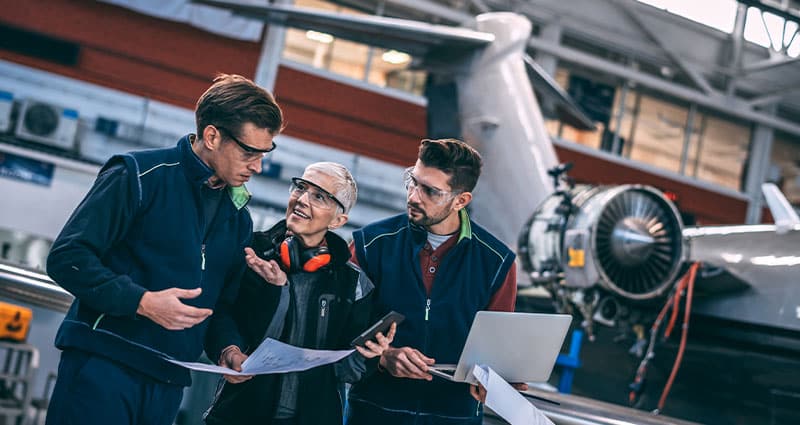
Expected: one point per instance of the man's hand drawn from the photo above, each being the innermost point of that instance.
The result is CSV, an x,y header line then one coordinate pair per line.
x,y
479,393
270,271
166,309
232,359
406,362
374,350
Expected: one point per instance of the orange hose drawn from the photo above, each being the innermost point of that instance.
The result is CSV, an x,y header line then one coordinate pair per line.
x,y
663,312
678,295
684,334
639,377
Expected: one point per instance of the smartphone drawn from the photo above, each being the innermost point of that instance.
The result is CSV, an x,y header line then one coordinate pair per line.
x,y
382,326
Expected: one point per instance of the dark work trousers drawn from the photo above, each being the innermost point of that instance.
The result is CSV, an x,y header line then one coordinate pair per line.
x,y
92,390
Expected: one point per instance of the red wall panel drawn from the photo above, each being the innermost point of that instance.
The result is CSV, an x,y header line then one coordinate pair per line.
x,y
707,206
129,51
349,118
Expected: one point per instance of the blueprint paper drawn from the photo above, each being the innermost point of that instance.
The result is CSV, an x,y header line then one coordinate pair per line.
x,y
273,356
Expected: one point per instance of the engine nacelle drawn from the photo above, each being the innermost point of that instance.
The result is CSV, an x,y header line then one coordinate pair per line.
x,y
627,239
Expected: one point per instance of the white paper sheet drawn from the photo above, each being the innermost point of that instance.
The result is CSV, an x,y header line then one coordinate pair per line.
x,y
506,401
273,356
204,367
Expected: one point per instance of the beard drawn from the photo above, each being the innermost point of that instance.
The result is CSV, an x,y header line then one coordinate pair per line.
x,y
423,218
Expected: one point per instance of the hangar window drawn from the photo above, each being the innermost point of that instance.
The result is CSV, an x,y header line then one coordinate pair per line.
x,y
722,147
772,31
761,27
658,130
652,128
595,98
785,166
380,67
718,14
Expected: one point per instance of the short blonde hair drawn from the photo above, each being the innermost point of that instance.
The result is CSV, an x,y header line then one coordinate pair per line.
x,y
344,185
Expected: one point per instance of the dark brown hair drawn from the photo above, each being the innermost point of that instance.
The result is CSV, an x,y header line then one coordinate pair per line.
x,y
234,100
456,159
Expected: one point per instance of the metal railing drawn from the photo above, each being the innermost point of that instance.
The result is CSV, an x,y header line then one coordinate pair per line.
x,y
32,287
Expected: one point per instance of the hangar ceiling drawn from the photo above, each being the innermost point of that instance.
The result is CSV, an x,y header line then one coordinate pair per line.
x,y
670,47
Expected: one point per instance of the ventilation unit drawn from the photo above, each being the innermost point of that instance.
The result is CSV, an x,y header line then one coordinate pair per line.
x,y
47,124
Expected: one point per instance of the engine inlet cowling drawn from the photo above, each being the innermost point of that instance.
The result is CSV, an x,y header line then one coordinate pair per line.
x,y
627,239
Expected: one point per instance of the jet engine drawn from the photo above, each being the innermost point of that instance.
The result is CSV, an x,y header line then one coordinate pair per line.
x,y
600,248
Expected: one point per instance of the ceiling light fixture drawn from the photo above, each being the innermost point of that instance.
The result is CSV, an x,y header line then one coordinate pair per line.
x,y
321,37
394,57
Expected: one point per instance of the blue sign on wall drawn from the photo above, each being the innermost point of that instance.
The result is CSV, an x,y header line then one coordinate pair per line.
x,y
25,169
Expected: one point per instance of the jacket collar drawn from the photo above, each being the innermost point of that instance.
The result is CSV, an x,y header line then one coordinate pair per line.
x,y
466,225
420,234
197,172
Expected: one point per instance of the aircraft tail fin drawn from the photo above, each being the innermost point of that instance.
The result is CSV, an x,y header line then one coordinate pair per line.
x,y
782,211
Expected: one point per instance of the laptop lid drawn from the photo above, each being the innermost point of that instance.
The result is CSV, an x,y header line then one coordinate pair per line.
x,y
520,347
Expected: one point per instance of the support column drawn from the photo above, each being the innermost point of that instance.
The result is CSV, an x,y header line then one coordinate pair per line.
x,y
549,62
687,138
552,33
379,9
759,159
737,41
271,51
616,149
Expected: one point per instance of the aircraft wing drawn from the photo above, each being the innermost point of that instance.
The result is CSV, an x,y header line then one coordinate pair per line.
x,y
568,111
757,254
412,37
766,258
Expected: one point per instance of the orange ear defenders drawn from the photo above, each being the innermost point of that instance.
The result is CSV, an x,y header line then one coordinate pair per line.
x,y
295,258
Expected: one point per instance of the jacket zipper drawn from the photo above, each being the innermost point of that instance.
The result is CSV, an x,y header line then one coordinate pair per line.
x,y
427,308
425,348
322,321
206,234
427,327
202,263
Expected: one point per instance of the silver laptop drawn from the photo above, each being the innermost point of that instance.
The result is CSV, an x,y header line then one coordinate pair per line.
x,y
520,347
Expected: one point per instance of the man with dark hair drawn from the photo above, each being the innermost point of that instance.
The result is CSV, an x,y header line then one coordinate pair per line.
x,y
155,248
438,268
